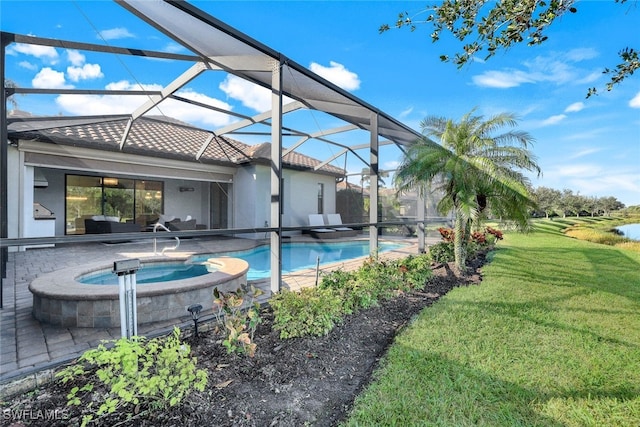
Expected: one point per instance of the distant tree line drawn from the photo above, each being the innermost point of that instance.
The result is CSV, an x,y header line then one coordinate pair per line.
x,y
552,202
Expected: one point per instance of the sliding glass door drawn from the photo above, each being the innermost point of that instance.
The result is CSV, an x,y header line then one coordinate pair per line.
x,y
120,199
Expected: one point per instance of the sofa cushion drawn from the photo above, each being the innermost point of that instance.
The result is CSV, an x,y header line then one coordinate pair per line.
x,y
182,225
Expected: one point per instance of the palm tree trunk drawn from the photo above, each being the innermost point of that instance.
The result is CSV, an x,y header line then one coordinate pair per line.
x,y
458,243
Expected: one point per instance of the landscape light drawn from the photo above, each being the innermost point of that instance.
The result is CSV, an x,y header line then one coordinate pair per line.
x,y
195,310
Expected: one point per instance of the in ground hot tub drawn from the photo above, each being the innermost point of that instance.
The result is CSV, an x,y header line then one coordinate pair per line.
x,y
59,298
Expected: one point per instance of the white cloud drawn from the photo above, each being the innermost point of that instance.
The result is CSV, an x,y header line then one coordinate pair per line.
x,y
43,52
115,33
28,65
48,78
249,94
337,74
590,78
502,79
578,170
174,48
105,104
391,165
125,104
554,120
575,107
557,68
194,114
585,152
635,101
87,71
595,180
406,112
75,57
581,54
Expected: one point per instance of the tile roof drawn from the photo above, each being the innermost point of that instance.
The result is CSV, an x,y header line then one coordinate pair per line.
x,y
262,153
153,136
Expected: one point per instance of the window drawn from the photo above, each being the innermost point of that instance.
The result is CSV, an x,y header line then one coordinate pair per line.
x,y
320,198
127,199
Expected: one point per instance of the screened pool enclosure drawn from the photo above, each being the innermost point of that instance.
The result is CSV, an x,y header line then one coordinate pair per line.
x,y
150,165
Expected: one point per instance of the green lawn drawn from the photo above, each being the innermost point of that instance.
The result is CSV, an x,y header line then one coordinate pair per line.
x,y
550,338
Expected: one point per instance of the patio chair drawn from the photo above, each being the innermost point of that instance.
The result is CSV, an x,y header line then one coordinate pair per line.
x,y
335,222
317,220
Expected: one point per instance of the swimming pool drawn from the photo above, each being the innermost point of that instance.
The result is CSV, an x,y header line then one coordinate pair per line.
x,y
299,256
154,272
295,256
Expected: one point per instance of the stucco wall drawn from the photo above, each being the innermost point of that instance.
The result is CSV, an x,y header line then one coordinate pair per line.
x,y
253,195
182,203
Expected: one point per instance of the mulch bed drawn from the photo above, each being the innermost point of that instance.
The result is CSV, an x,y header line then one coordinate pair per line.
x,y
302,381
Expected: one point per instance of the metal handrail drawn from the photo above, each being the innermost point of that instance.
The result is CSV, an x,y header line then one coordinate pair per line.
x,y
155,240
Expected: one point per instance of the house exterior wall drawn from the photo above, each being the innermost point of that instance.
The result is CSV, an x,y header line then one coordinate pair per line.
x,y
53,197
301,196
249,205
253,196
249,211
182,203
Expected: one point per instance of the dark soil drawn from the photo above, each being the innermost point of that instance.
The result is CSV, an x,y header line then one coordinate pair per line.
x,y
296,382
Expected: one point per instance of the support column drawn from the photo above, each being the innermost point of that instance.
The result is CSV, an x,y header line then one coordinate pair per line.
x,y
276,176
373,185
421,222
4,229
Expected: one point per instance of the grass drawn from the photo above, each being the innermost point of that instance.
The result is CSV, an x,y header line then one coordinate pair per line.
x,y
550,338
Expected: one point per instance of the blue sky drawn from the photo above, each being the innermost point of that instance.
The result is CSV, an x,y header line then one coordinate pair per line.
x,y
591,146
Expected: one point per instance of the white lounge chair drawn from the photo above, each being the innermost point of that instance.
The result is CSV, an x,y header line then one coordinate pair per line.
x,y
335,222
316,220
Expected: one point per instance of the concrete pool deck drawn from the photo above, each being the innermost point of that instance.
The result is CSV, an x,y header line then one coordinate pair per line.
x,y
29,348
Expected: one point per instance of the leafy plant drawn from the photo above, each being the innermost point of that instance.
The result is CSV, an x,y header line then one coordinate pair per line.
x,y
239,313
479,237
447,234
494,232
415,270
442,252
309,312
136,372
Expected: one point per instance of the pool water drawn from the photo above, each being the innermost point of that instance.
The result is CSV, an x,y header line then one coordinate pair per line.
x,y
299,256
295,256
149,273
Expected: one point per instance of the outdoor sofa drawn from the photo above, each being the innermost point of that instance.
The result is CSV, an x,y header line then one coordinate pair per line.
x,y
100,224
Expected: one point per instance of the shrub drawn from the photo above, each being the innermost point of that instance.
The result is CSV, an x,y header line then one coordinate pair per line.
x,y
309,312
442,252
596,236
478,237
630,246
352,291
153,374
240,320
448,234
315,311
379,278
415,270
494,232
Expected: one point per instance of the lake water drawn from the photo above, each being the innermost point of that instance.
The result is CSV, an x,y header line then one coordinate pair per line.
x,y
630,231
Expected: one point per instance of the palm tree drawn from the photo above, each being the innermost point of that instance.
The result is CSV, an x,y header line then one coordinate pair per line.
x,y
11,99
477,171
